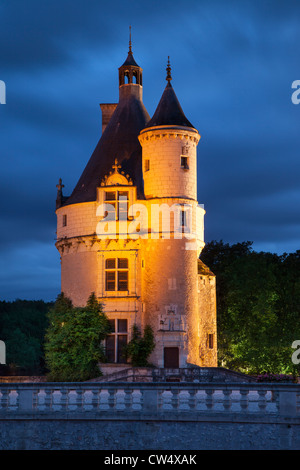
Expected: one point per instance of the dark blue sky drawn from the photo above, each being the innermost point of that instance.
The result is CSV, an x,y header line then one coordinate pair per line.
x,y
233,63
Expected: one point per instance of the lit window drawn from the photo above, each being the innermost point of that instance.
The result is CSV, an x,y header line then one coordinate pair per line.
x,y
123,205
119,202
116,341
116,274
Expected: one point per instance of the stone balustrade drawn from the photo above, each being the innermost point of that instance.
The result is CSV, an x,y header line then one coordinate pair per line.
x,y
157,415
153,399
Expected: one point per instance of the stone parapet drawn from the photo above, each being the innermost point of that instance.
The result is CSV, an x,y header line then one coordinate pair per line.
x,y
138,416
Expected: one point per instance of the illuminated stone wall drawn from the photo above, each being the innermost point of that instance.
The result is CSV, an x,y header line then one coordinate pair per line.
x,y
163,148
165,289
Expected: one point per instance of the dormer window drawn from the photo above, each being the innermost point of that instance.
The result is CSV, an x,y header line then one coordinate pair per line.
x,y
118,201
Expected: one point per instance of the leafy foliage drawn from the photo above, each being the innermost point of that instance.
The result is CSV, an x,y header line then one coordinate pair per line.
x,y
73,340
258,306
140,347
22,328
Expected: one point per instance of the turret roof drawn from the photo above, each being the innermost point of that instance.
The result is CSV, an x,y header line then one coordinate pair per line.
x,y
119,140
130,60
169,111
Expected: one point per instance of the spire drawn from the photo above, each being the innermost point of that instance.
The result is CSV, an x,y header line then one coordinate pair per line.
x,y
168,69
130,60
130,72
169,111
130,44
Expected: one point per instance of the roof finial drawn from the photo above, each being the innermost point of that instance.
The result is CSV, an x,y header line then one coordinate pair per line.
x,y
116,166
130,44
60,186
59,198
168,69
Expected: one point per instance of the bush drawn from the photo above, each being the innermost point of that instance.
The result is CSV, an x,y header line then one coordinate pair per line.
x,y
73,340
140,347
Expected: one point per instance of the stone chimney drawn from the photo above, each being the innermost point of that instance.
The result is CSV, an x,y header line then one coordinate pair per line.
x,y
107,112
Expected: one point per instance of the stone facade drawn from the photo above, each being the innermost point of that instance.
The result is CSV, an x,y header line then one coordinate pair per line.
x,y
156,239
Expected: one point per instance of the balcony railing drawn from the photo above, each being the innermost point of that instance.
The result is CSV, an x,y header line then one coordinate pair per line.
x,y
159,399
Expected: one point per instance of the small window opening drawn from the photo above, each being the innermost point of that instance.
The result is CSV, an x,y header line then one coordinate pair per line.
x,y
116,274
147,165
183,218
64,220
126,78
184,163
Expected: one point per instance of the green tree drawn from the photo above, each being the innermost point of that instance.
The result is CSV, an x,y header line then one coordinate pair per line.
x,y
22,326
140,347
73,340
258,303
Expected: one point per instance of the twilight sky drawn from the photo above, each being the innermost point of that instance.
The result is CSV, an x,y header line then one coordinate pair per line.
x,y
233,64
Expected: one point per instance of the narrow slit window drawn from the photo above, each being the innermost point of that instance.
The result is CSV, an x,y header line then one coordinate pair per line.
x,y
64,220
183,218
147,165
184,161
211,341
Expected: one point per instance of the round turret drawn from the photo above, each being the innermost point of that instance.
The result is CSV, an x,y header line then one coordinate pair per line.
x,y
169,144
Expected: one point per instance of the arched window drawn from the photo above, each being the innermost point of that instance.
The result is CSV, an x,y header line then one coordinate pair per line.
x,y
126,77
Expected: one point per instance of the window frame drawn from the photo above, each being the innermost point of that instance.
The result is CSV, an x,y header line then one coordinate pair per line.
x,y
113,275
184,162
210,341
117,335
118,203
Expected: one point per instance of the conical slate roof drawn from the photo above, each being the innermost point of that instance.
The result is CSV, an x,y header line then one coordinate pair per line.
x,y
120,141
169,111
130,60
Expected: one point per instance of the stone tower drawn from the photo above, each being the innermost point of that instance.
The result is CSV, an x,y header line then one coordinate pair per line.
x,y
132,229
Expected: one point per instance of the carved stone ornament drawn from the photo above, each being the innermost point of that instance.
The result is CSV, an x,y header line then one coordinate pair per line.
x,y
115,178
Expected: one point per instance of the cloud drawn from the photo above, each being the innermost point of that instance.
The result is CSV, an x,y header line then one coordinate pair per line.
x,y
232,65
